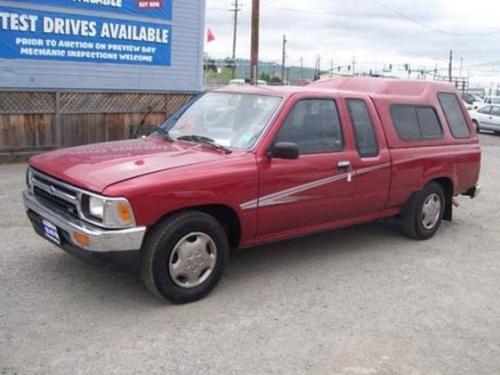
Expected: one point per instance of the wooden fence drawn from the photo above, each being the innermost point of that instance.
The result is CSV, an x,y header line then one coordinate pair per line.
x,y
37,121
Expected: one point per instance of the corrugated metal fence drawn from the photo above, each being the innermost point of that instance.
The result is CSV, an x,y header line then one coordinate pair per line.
x,y
37,121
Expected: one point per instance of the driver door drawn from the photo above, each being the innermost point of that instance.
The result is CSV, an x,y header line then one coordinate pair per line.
x,y
314,190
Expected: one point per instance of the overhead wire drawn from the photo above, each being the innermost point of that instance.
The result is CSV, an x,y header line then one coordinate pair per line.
x,y
430,27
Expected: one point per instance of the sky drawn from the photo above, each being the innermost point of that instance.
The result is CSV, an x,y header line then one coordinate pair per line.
x,y
374,32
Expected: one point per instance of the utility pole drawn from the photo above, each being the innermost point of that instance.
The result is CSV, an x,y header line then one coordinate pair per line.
x,y
450,66
331,68
461,66
301,69
254,53
354,66
317,69
283,61
236,9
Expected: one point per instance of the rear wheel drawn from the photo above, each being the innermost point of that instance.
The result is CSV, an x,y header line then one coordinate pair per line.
x,y
184,257
423,214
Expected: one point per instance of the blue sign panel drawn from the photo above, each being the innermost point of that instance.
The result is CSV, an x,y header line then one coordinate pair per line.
x,y
37,35
161,9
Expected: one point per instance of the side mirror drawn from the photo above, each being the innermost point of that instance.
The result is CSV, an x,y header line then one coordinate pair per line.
x,y
284,150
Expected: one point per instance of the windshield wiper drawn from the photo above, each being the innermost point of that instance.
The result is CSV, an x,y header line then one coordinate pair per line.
x,y
205,141
164,133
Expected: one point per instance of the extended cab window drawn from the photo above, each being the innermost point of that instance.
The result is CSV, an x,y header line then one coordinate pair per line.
x,y
366,141
314,125
416,123
454,115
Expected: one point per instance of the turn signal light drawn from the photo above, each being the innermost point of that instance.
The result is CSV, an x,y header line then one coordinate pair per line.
x,y
81,239
124,212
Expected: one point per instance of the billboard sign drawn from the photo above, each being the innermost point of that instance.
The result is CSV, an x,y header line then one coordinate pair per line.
x,y
42,35
160,9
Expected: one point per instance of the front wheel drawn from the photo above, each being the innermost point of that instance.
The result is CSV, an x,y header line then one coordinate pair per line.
x,y
423,214
184,257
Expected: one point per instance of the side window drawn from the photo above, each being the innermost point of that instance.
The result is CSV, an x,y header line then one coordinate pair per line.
x,y
416,123
314,125
495,111
485,110
406,122
454,115
429,123
366,140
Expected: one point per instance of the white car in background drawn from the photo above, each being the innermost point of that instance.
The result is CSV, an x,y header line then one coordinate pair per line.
x,y
237,82
472,101
242,82
492,100
486,118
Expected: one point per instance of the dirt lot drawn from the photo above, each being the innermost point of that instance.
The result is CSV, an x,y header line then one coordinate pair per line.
x,y
364,300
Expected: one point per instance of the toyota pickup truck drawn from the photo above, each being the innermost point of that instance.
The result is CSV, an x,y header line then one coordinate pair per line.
x,y
242,166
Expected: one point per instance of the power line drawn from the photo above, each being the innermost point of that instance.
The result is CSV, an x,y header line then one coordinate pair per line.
x,y
325,13
484,64
388,8
394,11
423,24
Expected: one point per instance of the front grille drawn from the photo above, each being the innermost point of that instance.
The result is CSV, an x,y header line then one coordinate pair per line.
x,y
45,181
55,203
55,195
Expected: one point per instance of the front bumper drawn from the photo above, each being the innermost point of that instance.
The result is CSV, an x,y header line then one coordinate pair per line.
x,y
100,240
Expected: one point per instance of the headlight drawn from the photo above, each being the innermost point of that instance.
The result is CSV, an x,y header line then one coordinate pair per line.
x,y
112,212
96,207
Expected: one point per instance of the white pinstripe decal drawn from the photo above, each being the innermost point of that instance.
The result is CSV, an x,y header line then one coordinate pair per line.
x,y
288,195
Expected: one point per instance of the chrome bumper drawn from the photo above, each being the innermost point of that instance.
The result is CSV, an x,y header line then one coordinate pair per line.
x,y
100,240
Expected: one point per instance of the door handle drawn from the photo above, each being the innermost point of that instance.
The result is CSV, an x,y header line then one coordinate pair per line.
x,y
344,164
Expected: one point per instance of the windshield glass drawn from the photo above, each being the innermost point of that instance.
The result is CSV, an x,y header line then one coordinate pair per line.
x,y
231,119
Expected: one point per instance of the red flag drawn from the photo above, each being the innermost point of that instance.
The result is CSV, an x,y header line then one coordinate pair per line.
x,y
210,35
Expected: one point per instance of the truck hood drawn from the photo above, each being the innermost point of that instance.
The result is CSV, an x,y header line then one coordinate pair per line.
x,y
95,167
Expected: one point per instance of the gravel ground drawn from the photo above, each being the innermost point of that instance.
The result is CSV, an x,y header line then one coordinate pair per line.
x,y
363,300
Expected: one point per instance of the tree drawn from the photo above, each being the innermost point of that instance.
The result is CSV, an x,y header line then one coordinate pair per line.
x,y
276,80
210,66
265,77
229,63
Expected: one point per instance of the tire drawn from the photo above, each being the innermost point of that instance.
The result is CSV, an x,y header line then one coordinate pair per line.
x,y
423,214
178,261
476,124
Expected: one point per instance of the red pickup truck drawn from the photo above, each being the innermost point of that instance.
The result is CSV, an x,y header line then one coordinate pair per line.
x,y
242,166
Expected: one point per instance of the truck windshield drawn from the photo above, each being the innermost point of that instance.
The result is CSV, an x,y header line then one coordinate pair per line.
x,y
232,120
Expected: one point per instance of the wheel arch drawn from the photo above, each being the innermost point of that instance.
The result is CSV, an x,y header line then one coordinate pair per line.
x,y
224,214
446,184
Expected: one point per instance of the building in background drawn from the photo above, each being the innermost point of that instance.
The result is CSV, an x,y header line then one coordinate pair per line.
x,y
75,72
